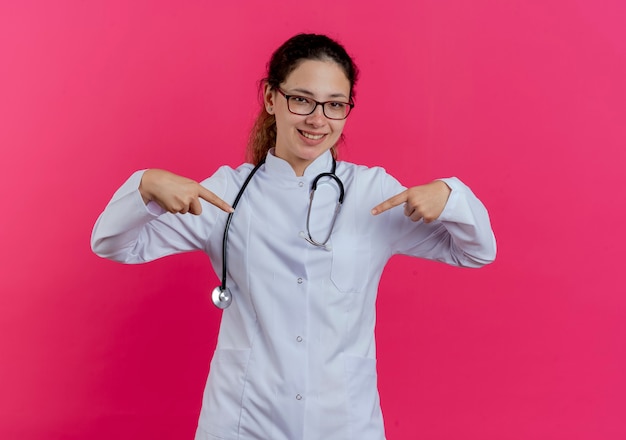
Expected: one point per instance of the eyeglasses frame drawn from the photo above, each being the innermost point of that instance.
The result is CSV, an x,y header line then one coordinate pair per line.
x,y
317,103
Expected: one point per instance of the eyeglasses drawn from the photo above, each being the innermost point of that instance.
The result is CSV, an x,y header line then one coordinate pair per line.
x,y
303,106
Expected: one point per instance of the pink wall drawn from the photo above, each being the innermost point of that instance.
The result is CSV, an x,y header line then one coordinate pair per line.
x,y
522,99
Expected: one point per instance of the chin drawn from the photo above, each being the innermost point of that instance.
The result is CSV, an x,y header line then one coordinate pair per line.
x,y
311,155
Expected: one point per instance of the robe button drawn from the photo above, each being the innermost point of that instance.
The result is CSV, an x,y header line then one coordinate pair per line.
x,y
300,184
299,280
298,397
299,339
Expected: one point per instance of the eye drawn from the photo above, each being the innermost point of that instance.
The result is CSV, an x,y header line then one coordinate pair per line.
x,y
300,100
337,105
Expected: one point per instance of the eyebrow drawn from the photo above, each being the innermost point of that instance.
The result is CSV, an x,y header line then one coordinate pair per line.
x,y
308,93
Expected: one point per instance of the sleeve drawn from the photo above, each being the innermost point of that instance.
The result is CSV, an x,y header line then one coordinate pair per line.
x,y
129,231
461,236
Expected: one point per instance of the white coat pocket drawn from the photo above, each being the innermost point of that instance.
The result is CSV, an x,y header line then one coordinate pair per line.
x,y
363,400
350,262
223,396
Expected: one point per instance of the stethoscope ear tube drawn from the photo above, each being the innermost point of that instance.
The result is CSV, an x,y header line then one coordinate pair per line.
x,y
333,176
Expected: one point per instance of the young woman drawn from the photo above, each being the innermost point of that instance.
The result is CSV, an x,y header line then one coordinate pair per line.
x,y
302,256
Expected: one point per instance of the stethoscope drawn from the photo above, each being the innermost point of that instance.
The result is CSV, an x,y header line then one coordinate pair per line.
x,y
221,295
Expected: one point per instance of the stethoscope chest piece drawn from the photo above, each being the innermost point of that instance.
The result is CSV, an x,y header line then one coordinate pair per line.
x,y
221,297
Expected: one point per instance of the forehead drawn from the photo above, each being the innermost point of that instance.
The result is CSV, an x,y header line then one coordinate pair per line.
x,y
321,78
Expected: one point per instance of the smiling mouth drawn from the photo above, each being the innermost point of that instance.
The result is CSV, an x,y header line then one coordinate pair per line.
x,y
312,136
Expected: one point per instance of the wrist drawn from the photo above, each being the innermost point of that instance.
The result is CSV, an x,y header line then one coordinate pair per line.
x,y
144,184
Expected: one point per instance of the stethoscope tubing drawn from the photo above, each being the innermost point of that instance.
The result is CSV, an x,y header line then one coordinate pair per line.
x,y
221,295
333,176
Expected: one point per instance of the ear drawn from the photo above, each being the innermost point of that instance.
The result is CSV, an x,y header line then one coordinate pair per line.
x,y
269,97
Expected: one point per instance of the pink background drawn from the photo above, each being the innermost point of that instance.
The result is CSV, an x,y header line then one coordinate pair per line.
x,y
522,99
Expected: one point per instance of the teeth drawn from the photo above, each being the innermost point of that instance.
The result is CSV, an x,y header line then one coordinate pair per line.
x,y
312,136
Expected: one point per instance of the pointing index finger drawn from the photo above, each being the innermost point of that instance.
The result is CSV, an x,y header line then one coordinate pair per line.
x,y
207,195
392,202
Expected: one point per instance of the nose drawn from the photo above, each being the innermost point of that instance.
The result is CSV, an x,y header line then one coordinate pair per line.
x,y
317,118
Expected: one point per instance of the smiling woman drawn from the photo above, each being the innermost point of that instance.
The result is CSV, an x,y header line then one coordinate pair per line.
x,y
326,61
305,130
296,355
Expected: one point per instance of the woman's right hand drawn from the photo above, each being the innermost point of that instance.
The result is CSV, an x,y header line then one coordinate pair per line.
x,y
177,194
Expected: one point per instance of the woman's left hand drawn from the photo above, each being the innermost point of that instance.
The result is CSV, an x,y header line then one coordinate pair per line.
x,y
420,202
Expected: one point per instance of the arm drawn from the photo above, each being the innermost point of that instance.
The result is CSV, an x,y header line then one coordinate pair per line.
x,y
455,226
144,220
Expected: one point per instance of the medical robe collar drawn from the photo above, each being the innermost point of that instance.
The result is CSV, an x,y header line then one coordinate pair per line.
x,y
280,167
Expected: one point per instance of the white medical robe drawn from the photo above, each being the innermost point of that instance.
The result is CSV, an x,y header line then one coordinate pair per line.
x,y
296,356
